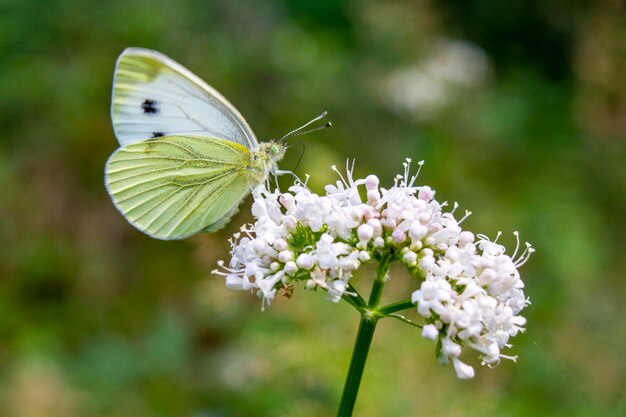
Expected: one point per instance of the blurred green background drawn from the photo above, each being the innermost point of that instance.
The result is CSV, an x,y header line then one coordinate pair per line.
x,y
518,108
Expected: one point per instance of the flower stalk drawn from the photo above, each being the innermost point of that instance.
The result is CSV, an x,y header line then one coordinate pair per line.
x,y
365,334
364,337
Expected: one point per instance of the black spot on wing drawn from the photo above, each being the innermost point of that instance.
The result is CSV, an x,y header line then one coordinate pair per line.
x,y
150,106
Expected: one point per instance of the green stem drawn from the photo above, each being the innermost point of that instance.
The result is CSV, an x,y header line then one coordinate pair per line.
x,y
404,320
357,365
393,307
379,282
365,334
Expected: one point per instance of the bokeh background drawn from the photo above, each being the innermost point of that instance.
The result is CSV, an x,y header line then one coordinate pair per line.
x,y
518,108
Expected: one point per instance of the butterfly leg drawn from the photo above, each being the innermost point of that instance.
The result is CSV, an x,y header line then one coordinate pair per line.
x,y
278,172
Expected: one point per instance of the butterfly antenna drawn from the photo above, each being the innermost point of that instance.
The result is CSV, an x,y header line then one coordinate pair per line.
x,y
298,131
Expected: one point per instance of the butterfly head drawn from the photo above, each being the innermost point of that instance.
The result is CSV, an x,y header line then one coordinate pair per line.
x,y
271,152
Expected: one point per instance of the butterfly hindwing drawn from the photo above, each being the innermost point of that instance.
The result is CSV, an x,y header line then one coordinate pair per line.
x,y
154,96
174,186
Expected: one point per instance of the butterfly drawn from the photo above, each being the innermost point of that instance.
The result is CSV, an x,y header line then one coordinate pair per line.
x,y
187,157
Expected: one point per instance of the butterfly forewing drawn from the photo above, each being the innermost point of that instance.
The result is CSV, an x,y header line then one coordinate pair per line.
x,y
174,186
153,96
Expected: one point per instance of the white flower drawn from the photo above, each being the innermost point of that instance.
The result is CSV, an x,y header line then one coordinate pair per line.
x,y
305,261
469,293
430,331
432,296
463,370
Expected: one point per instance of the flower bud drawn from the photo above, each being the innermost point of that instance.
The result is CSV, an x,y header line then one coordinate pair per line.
x,y
427,263
290,268
376,226
410,258
417,232
449,348
373,196
429,331
416,246
371,182
365,233
463,370
290,222
285,256
425,193
423,217
287,200
305,261
398,236
488,275
465,238
280,245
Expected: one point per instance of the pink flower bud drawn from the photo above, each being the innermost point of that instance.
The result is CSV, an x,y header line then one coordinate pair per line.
x,y
425,193
287,200
280,245
398,236
371,182
373,196
290,222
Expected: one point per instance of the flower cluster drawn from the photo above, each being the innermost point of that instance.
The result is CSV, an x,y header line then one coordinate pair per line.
x,y
470,292
471,296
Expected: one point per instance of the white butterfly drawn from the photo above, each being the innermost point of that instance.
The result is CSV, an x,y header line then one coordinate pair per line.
x,y
187,156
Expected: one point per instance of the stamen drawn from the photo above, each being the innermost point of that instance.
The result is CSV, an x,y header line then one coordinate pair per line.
x,y
334,168
349,171
407,168
516,234
467,214
524,257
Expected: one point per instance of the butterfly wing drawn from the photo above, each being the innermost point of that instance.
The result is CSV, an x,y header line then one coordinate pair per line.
x,y
174,186
154,96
